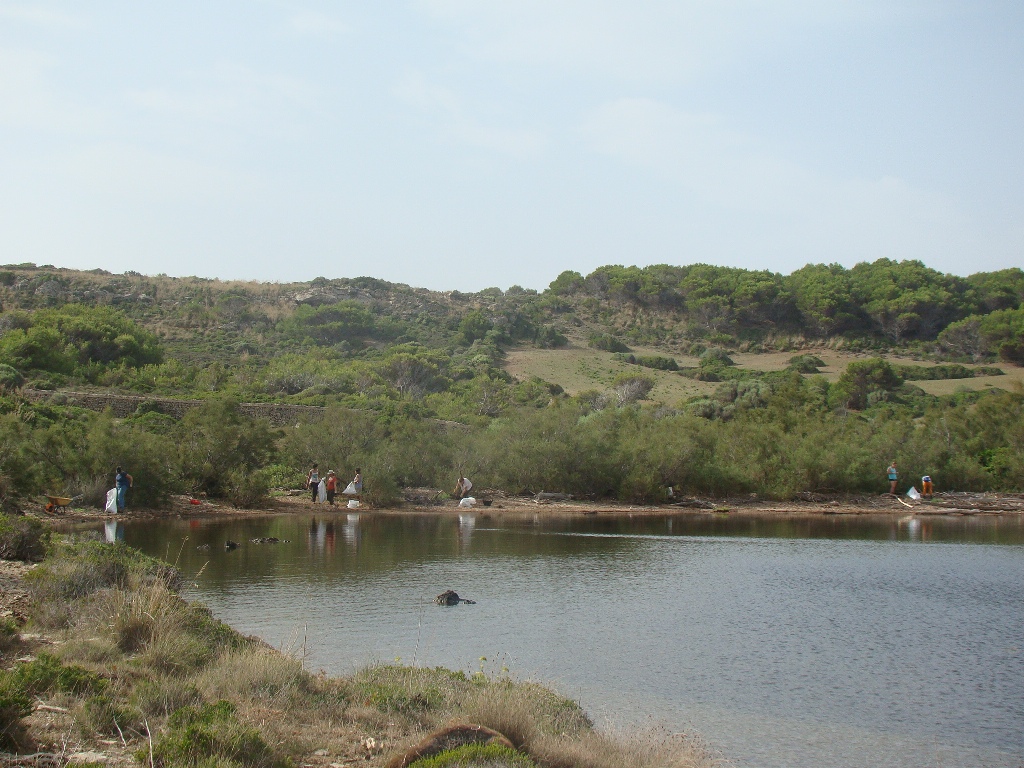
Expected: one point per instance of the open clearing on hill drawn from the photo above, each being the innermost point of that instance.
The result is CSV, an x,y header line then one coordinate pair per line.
x,y
577,369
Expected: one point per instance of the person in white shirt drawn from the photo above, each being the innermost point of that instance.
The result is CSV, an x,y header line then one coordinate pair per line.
x,y
463,487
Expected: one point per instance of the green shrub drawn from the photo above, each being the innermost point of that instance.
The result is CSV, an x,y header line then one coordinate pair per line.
x,y
657,362
15,703
409,690
805,363
607,342
210,734
714,357
476,756
22,538
101,714
46,673
10,378
247,489
8,633
160,696
934,372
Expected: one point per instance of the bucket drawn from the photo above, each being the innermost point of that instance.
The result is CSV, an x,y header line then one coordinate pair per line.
x,y
353,503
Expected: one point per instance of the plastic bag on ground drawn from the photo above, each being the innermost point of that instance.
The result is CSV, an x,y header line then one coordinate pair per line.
x,y
350,489
321,491
912,493
469,501
353,503
111,508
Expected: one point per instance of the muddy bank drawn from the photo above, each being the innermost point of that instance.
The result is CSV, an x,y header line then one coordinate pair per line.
x,y
421,501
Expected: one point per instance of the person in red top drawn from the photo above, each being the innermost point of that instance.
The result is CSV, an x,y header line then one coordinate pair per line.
x,y
332,486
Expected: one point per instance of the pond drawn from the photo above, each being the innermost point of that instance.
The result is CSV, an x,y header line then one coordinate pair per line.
x,y
832,641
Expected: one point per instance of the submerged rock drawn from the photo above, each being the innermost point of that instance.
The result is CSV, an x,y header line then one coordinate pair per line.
x,y
450,597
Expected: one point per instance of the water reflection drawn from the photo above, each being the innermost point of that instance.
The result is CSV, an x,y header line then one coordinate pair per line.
x,y
113,531
350,532
466,525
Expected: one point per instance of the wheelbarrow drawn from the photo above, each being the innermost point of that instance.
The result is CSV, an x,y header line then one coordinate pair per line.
x,y
55,503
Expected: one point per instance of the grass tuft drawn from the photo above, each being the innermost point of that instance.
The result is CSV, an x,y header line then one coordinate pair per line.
x,y
209,735
476,756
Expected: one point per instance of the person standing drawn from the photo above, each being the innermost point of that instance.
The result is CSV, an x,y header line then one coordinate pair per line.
x,y
357,483
122,481
893,476
332,486
313,481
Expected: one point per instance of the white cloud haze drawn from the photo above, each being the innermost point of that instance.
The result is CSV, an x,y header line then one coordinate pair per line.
x,y
462,144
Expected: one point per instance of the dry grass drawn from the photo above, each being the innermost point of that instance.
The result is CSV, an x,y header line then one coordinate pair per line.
x,y
254,673
650,749
577,368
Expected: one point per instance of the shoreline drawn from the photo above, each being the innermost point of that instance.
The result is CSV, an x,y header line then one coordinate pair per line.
x,y
956,504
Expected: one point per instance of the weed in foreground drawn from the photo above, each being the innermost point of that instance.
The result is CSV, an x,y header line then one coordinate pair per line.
x,y
210,735
476,756
46,673
159,697
22,538
646,749
85,568
15,703
525,712
412,691
256,673
9,636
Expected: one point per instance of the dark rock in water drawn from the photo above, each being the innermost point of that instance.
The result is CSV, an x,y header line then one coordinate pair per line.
x,y
229,545
452,598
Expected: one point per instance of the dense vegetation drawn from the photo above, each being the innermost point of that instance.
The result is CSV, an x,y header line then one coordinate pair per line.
x,y
415,389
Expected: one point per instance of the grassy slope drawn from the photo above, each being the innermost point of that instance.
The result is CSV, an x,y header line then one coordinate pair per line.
x,y
188,313
577,368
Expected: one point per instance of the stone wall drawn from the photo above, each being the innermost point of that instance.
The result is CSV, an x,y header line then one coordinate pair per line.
x,y
123,406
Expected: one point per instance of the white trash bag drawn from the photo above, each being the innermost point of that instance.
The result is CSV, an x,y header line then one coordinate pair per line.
x,y
912,493
321,491
469,501
350,489
111,508
353,503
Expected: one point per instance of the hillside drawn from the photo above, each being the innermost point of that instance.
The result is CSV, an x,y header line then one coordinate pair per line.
x,y
569,389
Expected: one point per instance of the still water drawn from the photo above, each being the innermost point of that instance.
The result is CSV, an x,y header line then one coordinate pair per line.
x,y
842,642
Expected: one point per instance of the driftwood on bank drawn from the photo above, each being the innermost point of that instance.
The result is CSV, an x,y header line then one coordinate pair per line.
x,y
543,496
693,503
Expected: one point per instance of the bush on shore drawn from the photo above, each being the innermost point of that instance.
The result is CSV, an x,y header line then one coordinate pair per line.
x,y
22,538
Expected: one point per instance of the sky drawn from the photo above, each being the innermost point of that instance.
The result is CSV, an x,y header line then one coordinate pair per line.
x,y
464,144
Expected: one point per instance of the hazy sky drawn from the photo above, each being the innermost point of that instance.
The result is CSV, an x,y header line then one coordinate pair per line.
x,y
466,144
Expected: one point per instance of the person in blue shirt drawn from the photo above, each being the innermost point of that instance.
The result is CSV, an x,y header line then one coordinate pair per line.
x,y
891,473
122,481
